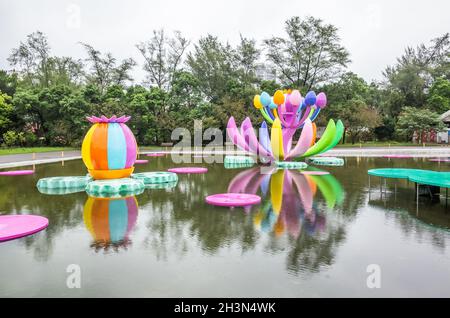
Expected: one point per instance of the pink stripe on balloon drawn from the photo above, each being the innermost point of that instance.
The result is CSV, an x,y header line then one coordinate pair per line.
x,y
304,117
235,135
303,142
250,138
131,146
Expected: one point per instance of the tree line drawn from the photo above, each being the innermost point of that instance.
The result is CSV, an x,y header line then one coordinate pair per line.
x,y
44,99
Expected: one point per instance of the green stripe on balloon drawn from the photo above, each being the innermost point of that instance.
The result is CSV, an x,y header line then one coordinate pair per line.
x,y
265,115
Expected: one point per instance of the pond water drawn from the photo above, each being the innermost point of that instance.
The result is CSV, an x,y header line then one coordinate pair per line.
x,y
311,236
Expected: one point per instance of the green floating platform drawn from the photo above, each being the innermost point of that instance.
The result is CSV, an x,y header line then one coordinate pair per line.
x,y
238,160
64,182
291,164
167,185
60,191
326,161
115,187
157,177
425,177
237,165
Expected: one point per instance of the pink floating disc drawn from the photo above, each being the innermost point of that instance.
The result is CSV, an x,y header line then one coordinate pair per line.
x,y
439,160
16,172
188,170
155,154
315,173
397,156
141,161
233,199
15,226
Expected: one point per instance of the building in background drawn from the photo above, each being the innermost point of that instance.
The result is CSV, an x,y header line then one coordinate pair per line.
x,y
265,72
443,136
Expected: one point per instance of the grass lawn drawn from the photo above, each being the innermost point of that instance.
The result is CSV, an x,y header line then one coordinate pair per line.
x,y
387,144
25,150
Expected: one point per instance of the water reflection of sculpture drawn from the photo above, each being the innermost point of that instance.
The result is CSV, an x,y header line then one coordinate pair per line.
x,y
110,221
290,205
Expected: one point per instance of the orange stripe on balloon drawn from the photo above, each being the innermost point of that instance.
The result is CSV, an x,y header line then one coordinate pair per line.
x,y
99,147
100,219
313,141
275,113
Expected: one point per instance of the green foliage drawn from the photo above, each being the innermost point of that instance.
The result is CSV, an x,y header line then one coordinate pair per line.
x,y
413,120
409,81
8,82
46,98
359,119
6,113
12,138
311,53
439,96
163,57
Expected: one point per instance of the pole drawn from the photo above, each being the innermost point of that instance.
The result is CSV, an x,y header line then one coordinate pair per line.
x,y
417,199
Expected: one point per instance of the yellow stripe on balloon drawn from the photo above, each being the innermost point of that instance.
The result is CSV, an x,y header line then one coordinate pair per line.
x,y
87,215
276,190
275,113
276,140
86,147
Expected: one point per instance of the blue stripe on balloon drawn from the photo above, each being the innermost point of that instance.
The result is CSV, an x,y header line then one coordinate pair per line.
x,y
264,138
117,147
118,220
269,112
315,114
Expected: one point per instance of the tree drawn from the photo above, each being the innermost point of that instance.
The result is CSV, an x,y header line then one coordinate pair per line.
x,y
358,118
415,71
246,58
104,69
31,58
211,63
438,99
38,68
421,121
6,113
8,82
311,53
163,57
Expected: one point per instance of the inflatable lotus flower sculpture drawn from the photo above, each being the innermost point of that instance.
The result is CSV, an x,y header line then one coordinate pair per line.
x,y
286,112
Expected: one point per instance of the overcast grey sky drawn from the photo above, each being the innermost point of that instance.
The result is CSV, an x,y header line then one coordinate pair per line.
x,y
374,31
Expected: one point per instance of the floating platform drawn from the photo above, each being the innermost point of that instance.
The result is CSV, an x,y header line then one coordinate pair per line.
x,y
428,182
69,182
291,164
326,161
156,177
115,187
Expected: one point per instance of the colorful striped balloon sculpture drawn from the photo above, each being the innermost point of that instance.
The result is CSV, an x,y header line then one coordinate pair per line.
x,y
109,148
110,221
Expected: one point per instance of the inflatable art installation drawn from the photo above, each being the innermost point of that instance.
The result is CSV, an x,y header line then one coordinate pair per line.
x,y
286,112
109,152
109,148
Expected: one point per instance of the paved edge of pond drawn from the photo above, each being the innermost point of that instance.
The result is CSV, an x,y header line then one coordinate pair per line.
x,y
21,160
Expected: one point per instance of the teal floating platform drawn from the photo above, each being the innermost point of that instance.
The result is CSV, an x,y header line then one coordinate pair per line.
x,y
291,165
424,177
